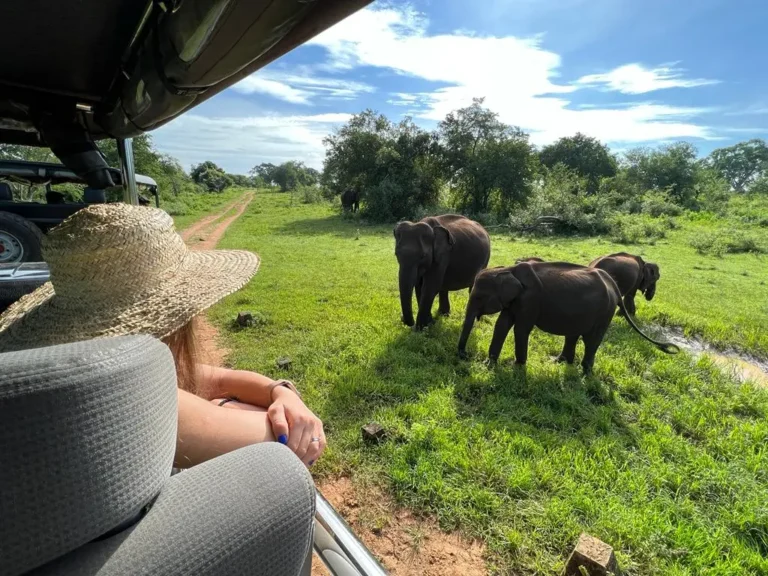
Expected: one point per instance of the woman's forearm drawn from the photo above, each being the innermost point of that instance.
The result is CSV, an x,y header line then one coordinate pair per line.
x,y
249,387
206,431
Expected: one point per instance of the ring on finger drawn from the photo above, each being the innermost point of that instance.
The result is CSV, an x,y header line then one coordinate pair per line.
x,y
314,439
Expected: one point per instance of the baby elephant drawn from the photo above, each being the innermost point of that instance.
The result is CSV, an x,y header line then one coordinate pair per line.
x,y
631,274
560,298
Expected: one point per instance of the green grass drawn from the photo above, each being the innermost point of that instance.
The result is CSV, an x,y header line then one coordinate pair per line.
x,y
186,209
664,457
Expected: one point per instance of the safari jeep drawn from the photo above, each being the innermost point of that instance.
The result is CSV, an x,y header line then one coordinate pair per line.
x,y
86,483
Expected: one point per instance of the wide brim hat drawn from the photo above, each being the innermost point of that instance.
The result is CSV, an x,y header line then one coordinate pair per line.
x,y
118,270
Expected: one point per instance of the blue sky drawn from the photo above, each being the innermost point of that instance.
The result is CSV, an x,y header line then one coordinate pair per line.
x,y
627,72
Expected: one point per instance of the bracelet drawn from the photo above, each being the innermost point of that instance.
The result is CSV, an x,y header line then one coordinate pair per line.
x,y
286,383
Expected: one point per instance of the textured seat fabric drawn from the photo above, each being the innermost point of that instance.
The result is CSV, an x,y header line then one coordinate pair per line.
x,y
248,512
87,438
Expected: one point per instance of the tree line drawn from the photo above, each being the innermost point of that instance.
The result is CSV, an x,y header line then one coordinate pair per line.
x,y
474,163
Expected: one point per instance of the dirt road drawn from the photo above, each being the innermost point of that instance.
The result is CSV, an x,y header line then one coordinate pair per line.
x,y
204,235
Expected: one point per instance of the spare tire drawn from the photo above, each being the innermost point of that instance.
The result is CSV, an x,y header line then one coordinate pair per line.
x,y
20,240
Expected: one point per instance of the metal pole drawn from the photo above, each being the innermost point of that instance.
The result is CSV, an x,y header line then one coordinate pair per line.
x,y
128,169
338,547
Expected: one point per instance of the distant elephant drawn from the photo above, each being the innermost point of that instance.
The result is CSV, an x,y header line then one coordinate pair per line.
x,y
631,274
437,255
560,298
350,199
531,259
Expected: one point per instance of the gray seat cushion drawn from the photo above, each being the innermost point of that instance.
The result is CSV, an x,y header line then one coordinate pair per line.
x,y
246,513
87,439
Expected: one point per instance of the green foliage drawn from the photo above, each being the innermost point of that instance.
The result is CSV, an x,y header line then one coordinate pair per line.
x,y
288,176
742,164
724,242
309,194
637,229
586,156
562,195
673,168
658,204
662,456
211,177
490,166
394,166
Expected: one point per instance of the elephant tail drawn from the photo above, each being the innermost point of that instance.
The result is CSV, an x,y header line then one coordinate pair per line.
x,y
666,347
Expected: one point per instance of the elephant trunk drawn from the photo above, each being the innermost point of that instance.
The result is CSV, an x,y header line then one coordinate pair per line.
x,y
407,283
469,322
650,292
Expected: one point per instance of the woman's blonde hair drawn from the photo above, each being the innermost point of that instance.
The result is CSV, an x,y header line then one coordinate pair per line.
x,y
183,345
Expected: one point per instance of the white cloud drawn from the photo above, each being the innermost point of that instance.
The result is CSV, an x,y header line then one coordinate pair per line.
x,y
274,88
238,144
517,76
301,88
636,79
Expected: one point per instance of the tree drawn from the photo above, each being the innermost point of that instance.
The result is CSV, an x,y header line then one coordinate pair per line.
x,y
742,164
673,168
489,164
586,156
265,171
210,176
396,167
288,175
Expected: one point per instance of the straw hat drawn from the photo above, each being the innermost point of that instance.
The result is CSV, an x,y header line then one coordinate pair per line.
x,y
117,270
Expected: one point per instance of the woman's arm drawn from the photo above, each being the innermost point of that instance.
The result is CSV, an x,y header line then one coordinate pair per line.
x,y
292,422
250,387
206,431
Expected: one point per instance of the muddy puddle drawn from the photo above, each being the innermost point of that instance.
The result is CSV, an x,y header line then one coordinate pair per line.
x,y
742,366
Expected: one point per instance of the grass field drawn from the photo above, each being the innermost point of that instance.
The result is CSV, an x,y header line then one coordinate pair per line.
x,y
664,457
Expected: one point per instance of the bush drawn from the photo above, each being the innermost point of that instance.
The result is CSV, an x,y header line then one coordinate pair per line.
x,y
563,197
634,229
309,194
726,242
657,204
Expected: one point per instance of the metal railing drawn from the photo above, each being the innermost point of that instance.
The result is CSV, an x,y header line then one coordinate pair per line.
x,y
338,546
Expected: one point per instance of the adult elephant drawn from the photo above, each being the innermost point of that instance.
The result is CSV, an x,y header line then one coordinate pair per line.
x,y
557,297
350,200
437,255
632,274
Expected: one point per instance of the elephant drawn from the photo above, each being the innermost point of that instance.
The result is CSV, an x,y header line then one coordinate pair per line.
x,y
437,255
558,297
530,259
631,274
350,199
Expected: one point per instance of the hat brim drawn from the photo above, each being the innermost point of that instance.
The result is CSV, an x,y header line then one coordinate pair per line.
x,y
204,277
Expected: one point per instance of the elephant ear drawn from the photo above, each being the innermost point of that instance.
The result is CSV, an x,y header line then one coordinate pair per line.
x,y
398,229
441,242
508,287
646,277
527,276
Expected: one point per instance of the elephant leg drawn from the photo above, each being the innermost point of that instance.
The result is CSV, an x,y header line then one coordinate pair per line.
x,y
521,343
424,317
629,302
568,355
445,304
504,324
592,341
419,284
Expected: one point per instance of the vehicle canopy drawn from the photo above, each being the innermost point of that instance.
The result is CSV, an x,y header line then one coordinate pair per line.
x,y
75,72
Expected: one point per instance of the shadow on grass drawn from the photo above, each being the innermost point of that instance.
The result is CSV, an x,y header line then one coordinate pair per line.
x,y
555,400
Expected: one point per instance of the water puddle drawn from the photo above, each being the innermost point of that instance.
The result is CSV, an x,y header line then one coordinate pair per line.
x,y
741,366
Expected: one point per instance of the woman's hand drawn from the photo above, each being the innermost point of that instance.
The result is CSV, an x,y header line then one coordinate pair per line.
x,y
295,425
